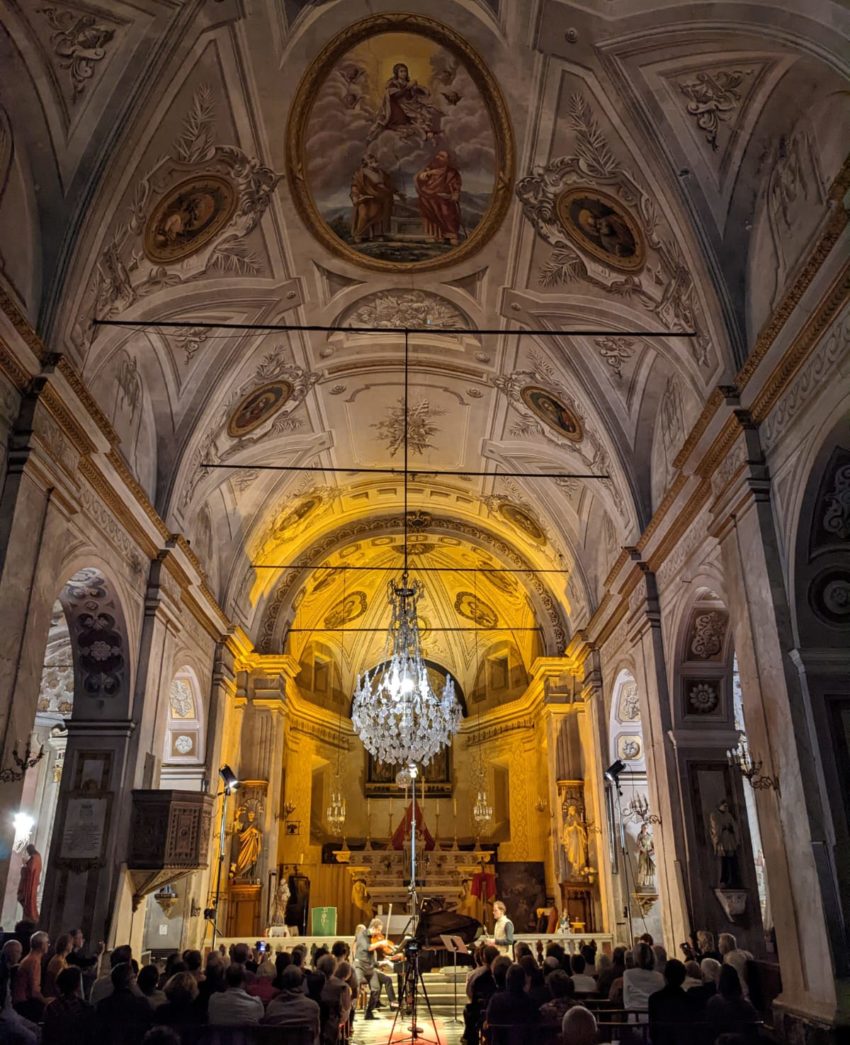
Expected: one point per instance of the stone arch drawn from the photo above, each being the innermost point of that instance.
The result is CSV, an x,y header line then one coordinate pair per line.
x,y
625,730
821,601
99,643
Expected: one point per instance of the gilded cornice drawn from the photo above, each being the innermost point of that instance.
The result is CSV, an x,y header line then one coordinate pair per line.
x,y
117,505
23,326
70,425
834,299
117,461
9,365
67,369
661,512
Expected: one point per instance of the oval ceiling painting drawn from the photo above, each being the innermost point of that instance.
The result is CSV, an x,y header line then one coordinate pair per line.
x,y
603,227
553,412
257,407
399,148
188,217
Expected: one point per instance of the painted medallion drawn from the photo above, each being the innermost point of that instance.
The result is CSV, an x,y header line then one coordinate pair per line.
x,y
348,609
188,217
553,412
521,519
601,225
475,609
257,407
399,148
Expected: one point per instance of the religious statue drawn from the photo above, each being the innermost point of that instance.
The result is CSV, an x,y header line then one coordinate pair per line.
x,y
279,902
360,897
28,884
574,841
646,862
250,844
723,829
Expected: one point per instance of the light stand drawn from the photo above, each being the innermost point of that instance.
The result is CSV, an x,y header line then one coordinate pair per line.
x,y
413,981
231,783
612,777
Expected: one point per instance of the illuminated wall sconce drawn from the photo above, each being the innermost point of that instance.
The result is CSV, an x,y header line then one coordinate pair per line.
x,y
750,768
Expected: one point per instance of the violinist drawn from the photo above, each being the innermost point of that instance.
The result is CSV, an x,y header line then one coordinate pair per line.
x,y
381,948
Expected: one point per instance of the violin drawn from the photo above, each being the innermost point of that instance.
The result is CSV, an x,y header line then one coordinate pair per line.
x,y
381,943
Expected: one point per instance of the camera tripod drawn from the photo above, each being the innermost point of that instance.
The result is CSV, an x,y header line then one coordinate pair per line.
x,y
410,988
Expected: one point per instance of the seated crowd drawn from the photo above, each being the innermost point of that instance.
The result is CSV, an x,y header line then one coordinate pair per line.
x,y
59,997
591,998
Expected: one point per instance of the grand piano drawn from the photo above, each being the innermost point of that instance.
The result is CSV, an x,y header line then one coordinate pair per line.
x,y
433,924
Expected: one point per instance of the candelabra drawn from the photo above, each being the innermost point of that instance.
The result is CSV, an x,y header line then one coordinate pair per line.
x,y
336,811
22,763
638,812
740,757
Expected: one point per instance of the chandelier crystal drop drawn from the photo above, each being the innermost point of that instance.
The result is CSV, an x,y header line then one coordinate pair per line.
x,y
396,713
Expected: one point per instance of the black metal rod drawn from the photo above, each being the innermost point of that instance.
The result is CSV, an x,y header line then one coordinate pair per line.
x,y
383,631
400,471
421,569
316,328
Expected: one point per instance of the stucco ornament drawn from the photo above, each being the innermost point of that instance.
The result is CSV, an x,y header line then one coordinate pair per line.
x,y
836,518
405,308
663,284
188,217
707,638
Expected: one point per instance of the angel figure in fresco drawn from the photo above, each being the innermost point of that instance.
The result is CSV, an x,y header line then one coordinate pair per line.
x,y
406,109
250,844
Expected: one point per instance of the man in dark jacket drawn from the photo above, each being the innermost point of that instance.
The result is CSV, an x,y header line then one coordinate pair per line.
x,y
123,1017
292,1008
668,1008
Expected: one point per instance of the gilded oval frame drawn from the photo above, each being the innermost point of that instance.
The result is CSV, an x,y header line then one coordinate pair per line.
x,y
282,390
630,263
497,111
218,220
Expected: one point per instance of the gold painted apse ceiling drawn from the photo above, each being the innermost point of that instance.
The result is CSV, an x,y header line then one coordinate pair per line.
x,y
536,167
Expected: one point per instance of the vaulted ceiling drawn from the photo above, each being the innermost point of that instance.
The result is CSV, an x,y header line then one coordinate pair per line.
x,y
718,128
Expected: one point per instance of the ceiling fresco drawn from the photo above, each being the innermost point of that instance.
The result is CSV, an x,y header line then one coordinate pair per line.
x,y
540,191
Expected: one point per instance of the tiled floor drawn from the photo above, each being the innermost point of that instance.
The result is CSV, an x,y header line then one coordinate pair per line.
x,y
379,1031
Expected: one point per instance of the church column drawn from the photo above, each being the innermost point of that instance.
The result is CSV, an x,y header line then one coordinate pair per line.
x,y
793,827
662,775
37,501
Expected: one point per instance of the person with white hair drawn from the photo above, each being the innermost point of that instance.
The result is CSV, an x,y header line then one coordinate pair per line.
x,y
579,1027
736,957
698,997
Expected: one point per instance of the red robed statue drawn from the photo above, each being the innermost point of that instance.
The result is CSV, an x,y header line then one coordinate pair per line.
x,y
401,834
28,884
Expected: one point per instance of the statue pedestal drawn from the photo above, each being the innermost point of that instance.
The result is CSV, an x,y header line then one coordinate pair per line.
x,y
243,914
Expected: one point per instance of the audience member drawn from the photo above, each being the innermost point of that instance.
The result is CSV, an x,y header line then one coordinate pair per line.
x,y
68,1019
148,983
579,1027
563,999
181,1008
27,995
729,1012
240,954
57,963
511,1007
660,957
698,996
668,1008
706,947
292,1008
123,1016
583,983
235,1006
194,962
161,1036
10,959
102,987
335,1001
535,986
736,957
642,980
263,986
588,952
615,971
212,983
77,956
693,976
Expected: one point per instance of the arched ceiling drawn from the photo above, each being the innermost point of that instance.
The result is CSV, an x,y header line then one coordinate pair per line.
x,y
722,125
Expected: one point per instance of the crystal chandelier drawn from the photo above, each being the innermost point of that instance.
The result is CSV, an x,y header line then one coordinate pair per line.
x,y
396,713
482,811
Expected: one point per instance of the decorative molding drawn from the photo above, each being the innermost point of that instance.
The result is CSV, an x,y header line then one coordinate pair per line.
x,y
404,308
713,98
291,579
665,286
616,351
483,736
79,42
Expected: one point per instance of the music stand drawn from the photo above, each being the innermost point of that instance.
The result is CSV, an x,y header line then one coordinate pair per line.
x,y
457,946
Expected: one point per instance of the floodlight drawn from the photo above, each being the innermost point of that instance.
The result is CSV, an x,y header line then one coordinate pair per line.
x,y
613,771
228,778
